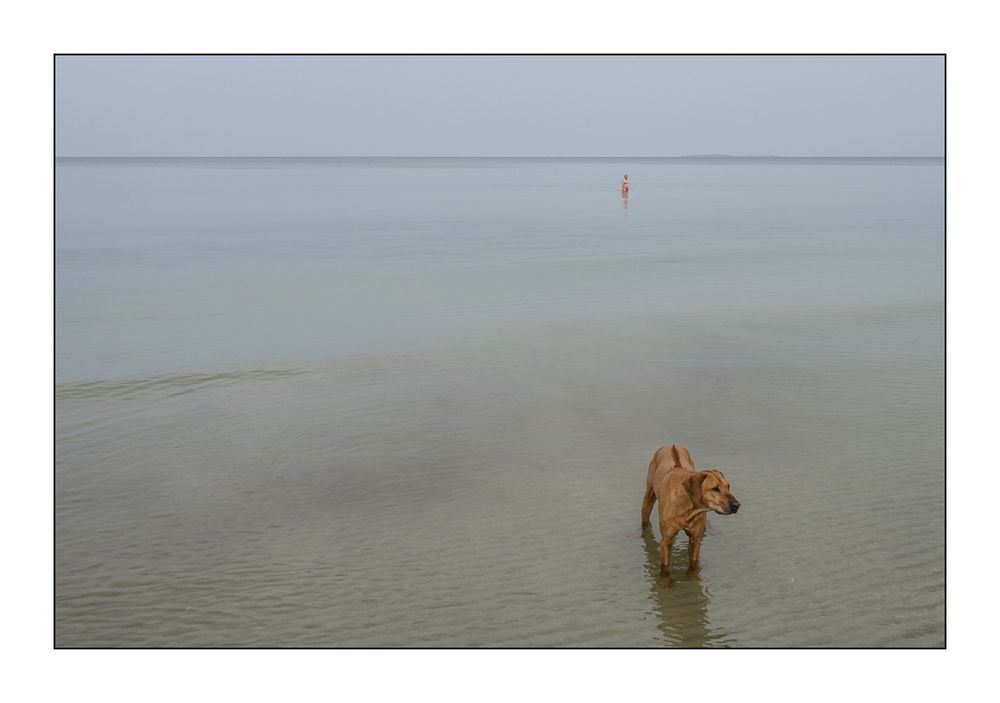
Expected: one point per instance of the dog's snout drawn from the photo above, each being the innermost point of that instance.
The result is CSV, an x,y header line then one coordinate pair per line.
x,y
734,505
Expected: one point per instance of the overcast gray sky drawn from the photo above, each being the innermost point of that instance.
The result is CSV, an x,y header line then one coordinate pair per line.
x,y
499,105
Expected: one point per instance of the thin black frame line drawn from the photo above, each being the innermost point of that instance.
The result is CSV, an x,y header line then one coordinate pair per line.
x,y
460,54
944,477
56,646
55,578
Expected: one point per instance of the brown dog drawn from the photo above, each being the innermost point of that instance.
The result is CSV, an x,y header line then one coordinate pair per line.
x,y
686,495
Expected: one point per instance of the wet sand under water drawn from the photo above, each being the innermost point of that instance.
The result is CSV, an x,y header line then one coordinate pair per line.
x,y
491,498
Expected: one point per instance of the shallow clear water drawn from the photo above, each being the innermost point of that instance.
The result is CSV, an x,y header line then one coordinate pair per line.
x,y
411,402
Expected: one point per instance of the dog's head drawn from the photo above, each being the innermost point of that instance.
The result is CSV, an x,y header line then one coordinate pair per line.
x,y
710,489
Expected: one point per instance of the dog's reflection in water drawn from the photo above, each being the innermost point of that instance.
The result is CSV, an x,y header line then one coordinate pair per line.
x,y
680,599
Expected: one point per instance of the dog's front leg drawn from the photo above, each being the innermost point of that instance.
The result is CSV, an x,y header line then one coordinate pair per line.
x,y
695,532
667,535
694,551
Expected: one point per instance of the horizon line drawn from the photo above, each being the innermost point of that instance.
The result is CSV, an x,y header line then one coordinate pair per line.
x,y
455,156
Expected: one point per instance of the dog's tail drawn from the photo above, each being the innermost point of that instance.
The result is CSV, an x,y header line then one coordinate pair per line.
x,y
682,457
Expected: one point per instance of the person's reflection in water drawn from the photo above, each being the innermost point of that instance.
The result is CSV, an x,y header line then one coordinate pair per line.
x,y
625,199
680,600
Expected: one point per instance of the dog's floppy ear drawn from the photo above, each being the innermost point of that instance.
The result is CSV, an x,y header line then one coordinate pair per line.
x,y
692,484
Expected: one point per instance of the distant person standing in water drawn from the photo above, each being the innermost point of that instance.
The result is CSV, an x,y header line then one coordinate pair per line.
x,y
625,185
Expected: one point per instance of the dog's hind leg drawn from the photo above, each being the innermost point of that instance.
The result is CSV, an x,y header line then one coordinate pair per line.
x,y
647,505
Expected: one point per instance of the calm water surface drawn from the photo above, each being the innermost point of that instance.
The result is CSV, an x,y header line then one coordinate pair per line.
x,y
410,402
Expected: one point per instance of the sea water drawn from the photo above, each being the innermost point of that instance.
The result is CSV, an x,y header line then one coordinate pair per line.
x,y
411,402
